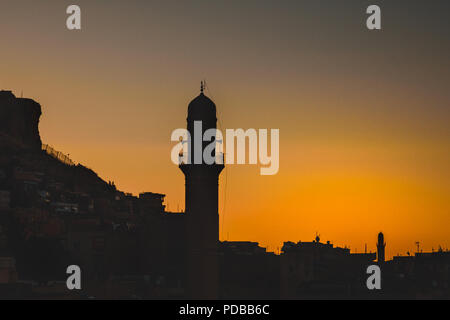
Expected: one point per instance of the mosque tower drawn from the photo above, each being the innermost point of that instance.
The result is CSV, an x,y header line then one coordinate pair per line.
x,y
201,197
380,248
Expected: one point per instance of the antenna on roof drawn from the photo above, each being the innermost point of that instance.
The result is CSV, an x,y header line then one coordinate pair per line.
x,y
202,86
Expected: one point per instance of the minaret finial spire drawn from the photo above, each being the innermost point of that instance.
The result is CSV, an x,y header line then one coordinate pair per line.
x,y
202,86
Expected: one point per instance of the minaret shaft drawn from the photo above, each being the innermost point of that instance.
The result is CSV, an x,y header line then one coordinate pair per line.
x,y
202,214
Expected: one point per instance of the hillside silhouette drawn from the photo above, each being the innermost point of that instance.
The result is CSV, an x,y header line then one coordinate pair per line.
x,y
54,214
21,144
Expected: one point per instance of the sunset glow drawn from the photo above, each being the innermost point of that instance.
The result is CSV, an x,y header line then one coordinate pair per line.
x,y
364,128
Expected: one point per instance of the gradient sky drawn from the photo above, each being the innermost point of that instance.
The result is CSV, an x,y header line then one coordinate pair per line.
x,y
363,115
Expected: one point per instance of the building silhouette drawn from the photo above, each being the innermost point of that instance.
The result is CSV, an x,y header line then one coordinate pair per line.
x,y
202,217
381,245
54,214
321,270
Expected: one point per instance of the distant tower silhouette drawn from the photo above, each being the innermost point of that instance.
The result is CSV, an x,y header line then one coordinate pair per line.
x,y
202,208
380,248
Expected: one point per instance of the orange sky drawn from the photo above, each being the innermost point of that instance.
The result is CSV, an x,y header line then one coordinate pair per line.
x,y
363,117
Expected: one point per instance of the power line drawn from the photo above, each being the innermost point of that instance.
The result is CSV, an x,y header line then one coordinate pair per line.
x,y
226,168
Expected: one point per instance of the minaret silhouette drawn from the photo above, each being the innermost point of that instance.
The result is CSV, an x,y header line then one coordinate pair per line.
x,y
202,196
380,248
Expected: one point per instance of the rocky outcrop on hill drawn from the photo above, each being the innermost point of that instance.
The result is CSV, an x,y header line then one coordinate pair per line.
x,y
19,119
21,147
